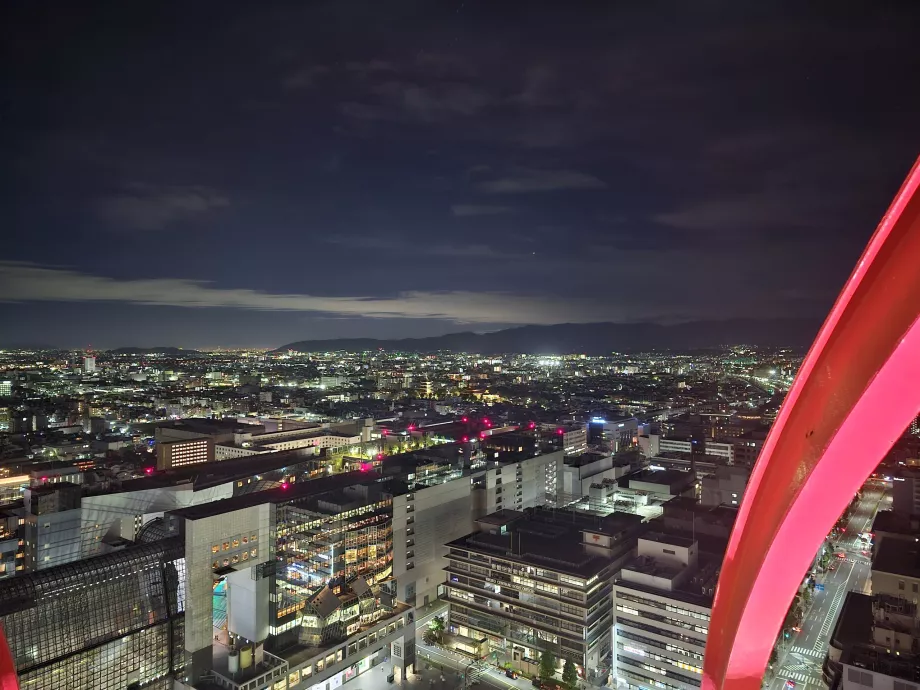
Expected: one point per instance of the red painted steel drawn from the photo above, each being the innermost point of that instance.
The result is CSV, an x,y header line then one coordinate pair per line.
x,y
853,397
8,678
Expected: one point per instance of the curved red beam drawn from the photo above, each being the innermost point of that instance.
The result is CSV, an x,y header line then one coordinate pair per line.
x,y
853,397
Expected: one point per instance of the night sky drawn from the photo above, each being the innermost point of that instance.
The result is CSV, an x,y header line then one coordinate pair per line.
x,y
203,174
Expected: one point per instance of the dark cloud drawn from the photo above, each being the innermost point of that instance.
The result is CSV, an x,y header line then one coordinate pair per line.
x,y
462,210
527,180
142,207
411,165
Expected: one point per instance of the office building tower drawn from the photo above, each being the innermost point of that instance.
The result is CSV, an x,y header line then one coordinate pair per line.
x,y
538,580
662,603
89,365
6,389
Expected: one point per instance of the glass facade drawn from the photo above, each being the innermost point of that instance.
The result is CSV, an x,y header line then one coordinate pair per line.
x,y
330,540
104,623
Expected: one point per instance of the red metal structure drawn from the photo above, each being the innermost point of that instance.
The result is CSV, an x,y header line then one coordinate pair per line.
x,y
853,397
8,679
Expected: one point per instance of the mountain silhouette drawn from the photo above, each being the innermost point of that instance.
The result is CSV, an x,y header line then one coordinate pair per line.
x,y
592,338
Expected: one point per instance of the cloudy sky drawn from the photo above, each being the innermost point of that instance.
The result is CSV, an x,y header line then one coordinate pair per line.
x,y
204,174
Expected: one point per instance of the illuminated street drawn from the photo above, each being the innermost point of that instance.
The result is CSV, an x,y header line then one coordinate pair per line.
x,y
804,654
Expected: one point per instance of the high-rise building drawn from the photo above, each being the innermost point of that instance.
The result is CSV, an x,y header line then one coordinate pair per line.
x,y
662,603
6,389
89,364
539,580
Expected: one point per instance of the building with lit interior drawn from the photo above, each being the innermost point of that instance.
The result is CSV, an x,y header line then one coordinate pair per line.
x,y
539,580
662,601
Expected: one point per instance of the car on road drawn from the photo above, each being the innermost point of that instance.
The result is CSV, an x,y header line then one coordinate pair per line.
x,y
790,685
511,673
841,555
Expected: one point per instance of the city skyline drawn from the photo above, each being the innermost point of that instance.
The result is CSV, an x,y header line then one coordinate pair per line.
x,y
263,176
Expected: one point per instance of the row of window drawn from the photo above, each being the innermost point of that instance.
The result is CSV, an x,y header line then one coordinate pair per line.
x,y
235,543
663,619
663,605
687,640
235,558
649,654
621,660
657,643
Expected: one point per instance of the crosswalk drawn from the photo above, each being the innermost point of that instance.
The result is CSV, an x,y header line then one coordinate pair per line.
x,y
830,618
802,651
799,677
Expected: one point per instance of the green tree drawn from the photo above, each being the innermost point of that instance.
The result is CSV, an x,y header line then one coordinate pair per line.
x,y
547,664
569,675
437,627
430,637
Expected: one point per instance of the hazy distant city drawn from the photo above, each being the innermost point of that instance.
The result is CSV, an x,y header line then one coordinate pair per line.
x,y
378,517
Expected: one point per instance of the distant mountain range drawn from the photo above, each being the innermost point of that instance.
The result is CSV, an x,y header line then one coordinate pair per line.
x,y
592,338
152,350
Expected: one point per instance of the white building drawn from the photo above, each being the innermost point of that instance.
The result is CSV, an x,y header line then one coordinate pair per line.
x,y
662,602
89,365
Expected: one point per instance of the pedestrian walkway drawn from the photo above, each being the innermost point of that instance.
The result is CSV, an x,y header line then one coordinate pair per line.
x,y
816,653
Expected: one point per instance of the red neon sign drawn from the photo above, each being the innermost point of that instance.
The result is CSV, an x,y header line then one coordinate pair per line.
x,y
852,398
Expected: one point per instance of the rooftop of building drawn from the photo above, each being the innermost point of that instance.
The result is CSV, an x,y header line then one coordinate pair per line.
x,y
550,539
900,666
585,458
294,491
898,558
661,477
207,474
854,624
207,425
697,587
896,523
669,538
301,653
48,466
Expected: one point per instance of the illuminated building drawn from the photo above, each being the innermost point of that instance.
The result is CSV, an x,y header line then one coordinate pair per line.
x,y
538,580
6,389
105,623
89,365
180,453
662,601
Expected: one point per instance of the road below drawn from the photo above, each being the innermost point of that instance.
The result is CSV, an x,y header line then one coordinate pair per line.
x,y
802,656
